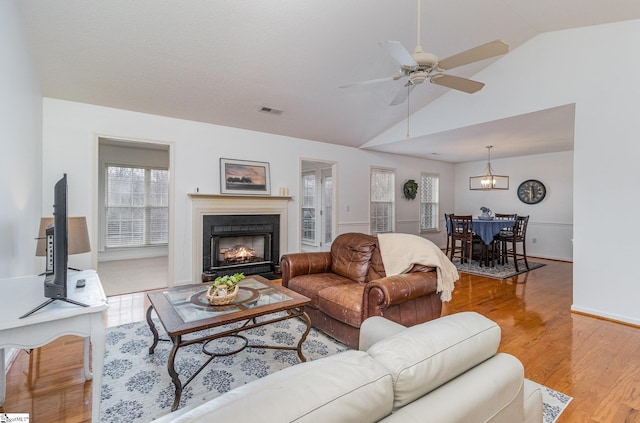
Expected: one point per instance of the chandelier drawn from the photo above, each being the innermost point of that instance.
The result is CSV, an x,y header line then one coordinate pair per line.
x,y
488,181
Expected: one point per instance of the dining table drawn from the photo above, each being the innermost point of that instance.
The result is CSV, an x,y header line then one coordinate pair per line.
x,y
486,229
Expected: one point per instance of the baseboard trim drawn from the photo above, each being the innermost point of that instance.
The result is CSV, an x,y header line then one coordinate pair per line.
x,y
582,312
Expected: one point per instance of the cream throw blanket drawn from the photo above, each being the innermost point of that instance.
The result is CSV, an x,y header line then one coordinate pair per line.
x,y
400,252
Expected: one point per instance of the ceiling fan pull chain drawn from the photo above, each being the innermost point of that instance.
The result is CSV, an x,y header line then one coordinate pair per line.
x,y
408,101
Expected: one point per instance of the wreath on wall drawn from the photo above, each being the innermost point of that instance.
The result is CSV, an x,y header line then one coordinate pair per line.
x,y
410,189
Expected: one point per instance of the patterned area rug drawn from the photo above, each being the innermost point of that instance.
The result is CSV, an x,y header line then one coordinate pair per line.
x,y
137,387
553,404
499,271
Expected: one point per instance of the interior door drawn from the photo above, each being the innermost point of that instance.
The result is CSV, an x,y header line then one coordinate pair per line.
x,y
317,213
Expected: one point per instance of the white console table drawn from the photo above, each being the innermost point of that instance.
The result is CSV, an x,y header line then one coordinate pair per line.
x,y
19,295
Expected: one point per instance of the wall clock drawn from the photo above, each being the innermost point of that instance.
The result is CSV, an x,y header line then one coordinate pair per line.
x,y
531,191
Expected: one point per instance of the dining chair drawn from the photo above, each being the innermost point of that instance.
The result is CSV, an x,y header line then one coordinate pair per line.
x,y
447,222
510,239
504,232
461,237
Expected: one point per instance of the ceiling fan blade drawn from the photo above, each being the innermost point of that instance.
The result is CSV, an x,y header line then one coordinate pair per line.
x,y
374,81
457,83
485,51
402,95
399,53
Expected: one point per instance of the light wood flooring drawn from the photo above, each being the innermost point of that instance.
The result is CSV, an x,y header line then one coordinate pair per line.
x,y
595,361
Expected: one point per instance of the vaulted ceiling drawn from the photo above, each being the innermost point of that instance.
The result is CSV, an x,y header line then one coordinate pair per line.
x,y
223,61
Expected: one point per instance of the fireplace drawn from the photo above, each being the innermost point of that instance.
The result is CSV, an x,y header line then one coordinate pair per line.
x,y
207,206
240,243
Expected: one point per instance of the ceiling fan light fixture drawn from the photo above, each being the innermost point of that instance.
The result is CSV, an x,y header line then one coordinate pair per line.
x,y
489,181
418,77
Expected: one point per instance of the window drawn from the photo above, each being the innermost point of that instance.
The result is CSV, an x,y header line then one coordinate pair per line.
x,y
136,206
309,207
327,201
429,194
382,200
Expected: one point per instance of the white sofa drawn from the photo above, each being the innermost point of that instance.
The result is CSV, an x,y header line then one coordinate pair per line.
x,y
445,370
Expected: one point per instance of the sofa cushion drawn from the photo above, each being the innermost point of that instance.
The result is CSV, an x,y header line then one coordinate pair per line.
x,y
343,303
351,255
311,285
346,387
488,392
425,356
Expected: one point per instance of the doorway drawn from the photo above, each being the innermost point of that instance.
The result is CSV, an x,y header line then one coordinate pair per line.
x,y
133,215
317,205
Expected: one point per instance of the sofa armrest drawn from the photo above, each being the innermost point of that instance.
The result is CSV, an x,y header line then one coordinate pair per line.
x,y
376,329
296,264
385,292
532,402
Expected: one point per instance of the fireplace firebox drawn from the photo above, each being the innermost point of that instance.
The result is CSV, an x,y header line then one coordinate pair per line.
x,y
240,243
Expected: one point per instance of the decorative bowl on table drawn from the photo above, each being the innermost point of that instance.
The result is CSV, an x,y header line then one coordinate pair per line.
x,y
221,296
224,289
485,217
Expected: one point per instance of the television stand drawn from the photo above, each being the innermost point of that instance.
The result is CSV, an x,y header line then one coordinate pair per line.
x,y
49,301
52,322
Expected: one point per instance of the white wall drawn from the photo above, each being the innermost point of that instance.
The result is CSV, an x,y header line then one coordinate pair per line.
x,y
21,158
595,69
70,143
550,221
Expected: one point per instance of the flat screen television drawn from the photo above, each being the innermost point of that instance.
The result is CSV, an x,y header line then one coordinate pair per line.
x,y
55,282
57,250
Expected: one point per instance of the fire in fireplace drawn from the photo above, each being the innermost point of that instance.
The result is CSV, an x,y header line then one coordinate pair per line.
x,y
239,254
240,243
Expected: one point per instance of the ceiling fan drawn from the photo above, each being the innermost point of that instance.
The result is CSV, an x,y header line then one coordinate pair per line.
x,y
422,66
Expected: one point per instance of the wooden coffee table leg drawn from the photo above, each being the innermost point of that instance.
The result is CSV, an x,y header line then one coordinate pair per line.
x,y
153,329
307,320
172,371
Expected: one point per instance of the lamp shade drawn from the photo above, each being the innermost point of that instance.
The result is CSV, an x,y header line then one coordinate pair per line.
x,y
77,232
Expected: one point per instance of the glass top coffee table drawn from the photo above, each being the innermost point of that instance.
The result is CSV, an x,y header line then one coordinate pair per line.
x,y
185,310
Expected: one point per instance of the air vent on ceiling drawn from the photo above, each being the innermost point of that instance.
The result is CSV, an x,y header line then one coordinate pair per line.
x,y
271,110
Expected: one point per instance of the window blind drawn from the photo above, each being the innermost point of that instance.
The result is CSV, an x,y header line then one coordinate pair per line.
x,y
136,206
382,200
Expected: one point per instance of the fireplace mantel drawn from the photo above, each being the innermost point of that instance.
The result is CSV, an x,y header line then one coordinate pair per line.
x,y
211,204
242,197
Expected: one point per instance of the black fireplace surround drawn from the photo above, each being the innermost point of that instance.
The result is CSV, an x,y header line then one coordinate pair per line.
x,y
221,232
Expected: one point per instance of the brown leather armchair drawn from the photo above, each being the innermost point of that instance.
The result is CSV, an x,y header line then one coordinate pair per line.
x,y
349,284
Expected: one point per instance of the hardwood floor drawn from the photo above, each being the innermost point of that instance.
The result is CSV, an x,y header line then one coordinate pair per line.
x,y
595,361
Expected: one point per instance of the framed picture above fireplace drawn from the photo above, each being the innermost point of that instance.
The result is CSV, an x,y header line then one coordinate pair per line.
x,y
244,177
